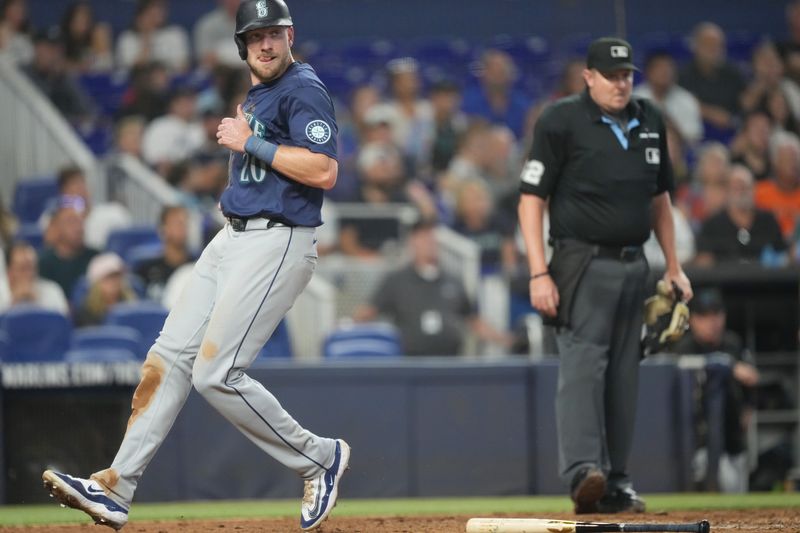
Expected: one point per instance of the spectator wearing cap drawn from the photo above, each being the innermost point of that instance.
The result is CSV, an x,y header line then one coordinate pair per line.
x,y
495,99
430,308
176,136
409,115
25,287
716,83
107,287
708,336
781,194
15,38
66,256
49,72
678,105
740,232
151,39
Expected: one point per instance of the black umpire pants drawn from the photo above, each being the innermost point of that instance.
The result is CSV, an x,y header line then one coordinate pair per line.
x,y
599,369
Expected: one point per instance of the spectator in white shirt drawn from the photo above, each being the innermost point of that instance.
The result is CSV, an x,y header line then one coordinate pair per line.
x,y
25,287
175,136
679,105
213,44
151,39
15,38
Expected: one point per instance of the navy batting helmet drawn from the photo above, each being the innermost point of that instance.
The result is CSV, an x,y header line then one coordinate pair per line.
x,y
254,14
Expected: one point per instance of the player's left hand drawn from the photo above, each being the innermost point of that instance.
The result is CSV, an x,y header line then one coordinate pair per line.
x,y
679,278
232,133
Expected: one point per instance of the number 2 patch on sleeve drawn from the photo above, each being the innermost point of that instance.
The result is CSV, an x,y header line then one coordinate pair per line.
x,y
532,172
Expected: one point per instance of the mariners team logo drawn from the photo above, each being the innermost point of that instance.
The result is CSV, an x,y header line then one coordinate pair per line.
x,y
318,131
261,6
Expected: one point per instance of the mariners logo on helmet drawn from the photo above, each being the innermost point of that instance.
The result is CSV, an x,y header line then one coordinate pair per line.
x,y
318,131
261,6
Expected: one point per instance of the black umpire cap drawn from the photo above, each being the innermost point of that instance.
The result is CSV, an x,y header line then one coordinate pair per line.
x,y
608,54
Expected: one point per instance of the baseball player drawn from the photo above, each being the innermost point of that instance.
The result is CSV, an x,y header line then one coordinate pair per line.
x,y
600,167
283,154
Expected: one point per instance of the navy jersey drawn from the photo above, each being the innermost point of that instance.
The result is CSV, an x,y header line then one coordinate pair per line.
x,y
294,110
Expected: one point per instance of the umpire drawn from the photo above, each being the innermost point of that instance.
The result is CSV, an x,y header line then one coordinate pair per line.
x,y
599,164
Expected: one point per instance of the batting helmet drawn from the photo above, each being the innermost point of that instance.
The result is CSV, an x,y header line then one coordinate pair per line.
x,y
254,14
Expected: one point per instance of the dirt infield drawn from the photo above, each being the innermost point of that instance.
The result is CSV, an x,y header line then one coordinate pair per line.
x,y
754,520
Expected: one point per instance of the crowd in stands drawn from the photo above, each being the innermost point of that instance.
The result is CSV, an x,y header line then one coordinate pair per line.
x,y
452,146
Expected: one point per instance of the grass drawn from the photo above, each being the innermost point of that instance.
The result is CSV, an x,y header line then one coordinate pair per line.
x,y
52,514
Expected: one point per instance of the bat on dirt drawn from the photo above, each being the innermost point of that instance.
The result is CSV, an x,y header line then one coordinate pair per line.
x,y
539,525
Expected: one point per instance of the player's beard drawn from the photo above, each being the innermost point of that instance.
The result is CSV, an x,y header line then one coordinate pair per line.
x,y
266,72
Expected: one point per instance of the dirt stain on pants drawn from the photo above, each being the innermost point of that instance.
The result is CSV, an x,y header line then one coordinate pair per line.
x,y
152,376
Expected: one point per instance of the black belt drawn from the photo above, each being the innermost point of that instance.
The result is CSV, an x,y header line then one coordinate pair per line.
x,y
240,223
620,253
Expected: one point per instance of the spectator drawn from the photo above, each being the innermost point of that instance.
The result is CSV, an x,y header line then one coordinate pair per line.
x,y
449,123
768,77
679,106
212,37
410,116
570,82
790,48
66,256
716,83
99,219
781,194
751,146
128,132
476,219
472,154
502,165
684,243
431,309
354,131
148,92
175,136
150,39
740,232
15,39
8,225
495,99
708,336
24,284
87,43
707,193
107,287
777,107
48,71
174,231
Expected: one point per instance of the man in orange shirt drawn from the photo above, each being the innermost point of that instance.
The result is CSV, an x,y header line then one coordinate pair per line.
x,y
781,194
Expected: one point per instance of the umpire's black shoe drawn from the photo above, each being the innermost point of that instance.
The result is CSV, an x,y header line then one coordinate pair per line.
x,y
621,501
587,488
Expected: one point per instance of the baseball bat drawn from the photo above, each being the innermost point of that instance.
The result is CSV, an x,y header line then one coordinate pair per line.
x,y
539,525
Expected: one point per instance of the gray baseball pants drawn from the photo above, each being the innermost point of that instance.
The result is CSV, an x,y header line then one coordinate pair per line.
x,y
241,287
599,370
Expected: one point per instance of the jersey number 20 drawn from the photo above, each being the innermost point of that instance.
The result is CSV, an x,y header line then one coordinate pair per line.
x,y
251,170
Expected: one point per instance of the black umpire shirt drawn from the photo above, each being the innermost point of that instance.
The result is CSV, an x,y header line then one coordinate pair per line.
x,y
600,178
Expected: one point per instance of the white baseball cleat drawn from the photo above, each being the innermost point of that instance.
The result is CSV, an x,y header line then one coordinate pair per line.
x,y
320,493
86,495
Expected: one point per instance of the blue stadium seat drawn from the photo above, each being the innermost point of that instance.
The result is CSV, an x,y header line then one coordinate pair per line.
x,y
122,240
279,345
31,197
106,90
35,334
145,317
31,233
140,253
100,355
371,339
108,337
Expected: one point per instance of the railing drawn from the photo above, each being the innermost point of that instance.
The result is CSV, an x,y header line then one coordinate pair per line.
x,y
35,139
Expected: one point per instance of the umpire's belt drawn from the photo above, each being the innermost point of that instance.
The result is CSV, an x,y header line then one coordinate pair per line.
x,y
620,253
241,223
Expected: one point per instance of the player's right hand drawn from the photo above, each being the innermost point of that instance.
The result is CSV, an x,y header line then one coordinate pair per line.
x,y
544,295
